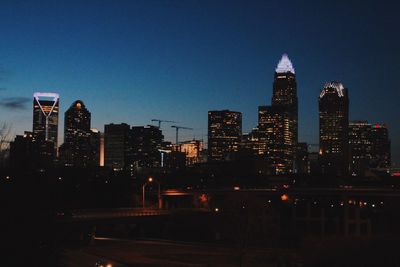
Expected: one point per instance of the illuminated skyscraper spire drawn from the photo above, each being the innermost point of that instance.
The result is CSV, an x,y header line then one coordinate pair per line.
x,y
334,129
284,65
45,117
45,127
278,123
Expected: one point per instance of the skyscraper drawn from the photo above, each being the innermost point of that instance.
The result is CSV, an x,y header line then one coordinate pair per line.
x,y
76,122
273,123
359,147
278,123
224,134
380,147
116,145
76,150
144,143
95,140
334,129
45,121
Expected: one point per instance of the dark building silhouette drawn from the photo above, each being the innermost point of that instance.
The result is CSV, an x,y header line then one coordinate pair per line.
x,y
224,134
314,166
278,123
28,153
175,160
380,148
334,129
22,151
144,143
45,122
76,150
303,164
116,145
359,147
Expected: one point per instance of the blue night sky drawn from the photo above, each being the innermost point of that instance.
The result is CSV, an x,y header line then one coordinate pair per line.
x,y
132,61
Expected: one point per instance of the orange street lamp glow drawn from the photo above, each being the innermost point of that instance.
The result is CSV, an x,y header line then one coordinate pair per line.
x,y
284,197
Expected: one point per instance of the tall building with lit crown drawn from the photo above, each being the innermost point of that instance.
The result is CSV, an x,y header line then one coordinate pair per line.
x,y
76,122
334,129
278,123
224,134
45,122
76,150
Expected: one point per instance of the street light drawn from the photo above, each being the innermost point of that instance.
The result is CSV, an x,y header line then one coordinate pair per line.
x,y
150,180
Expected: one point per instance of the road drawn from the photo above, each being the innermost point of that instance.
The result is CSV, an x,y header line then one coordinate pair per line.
x,y
79,258
152,253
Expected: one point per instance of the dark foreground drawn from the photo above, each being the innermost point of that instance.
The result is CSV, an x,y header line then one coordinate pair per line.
x,y
169,253
149,253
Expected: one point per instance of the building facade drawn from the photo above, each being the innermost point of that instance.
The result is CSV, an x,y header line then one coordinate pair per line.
x,y
116,145
95,154
369,148
273,123
359,147
334,129
253,144
144,143
380,148
193,150
224,134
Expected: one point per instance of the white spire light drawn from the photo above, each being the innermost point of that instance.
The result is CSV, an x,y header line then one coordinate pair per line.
x,y
284,65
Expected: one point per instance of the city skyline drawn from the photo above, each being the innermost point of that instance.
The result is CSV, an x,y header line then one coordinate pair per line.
x,y
156,87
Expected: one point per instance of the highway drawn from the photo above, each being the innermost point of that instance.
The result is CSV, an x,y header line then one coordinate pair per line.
x,y
152,253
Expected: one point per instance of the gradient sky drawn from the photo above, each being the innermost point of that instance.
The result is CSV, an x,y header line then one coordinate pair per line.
x,y
131,61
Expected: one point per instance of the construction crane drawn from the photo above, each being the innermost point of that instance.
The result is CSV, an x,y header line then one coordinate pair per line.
x,y
177,130
160,121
